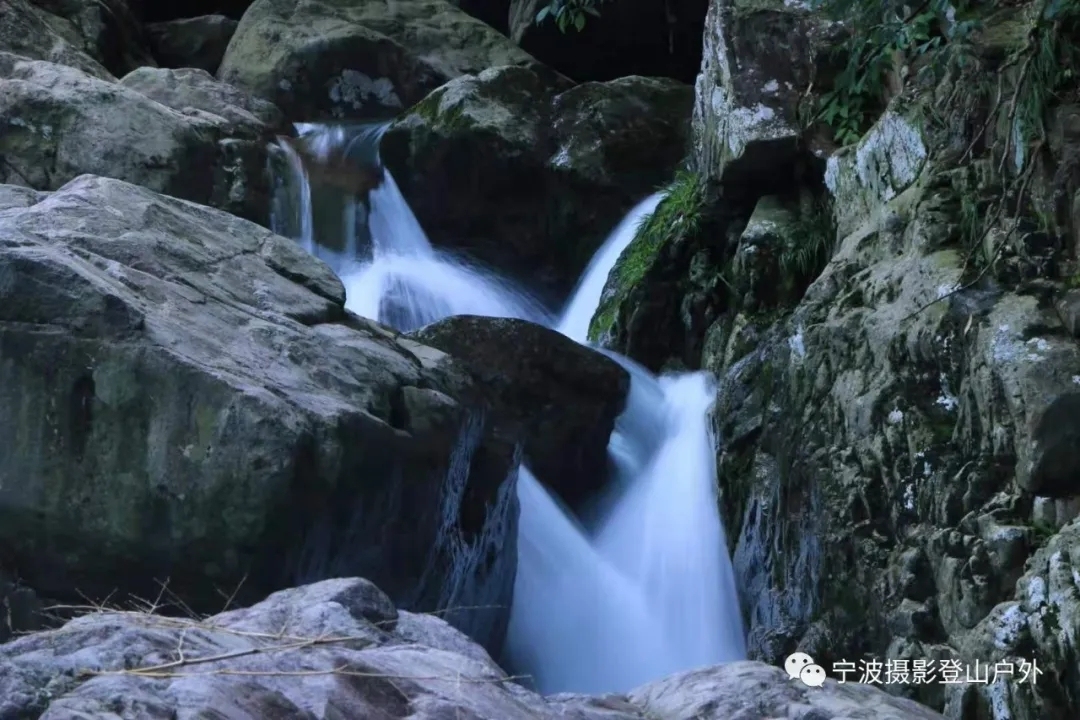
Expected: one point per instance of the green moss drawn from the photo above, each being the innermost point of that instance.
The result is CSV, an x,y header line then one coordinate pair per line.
x,y
428,108
679,215
1004,29
941,429
435,116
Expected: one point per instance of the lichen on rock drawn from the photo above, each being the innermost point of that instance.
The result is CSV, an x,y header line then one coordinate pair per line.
x,y
886,161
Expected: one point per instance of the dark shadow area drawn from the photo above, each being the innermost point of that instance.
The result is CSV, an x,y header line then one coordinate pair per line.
x,y
163,10
654,38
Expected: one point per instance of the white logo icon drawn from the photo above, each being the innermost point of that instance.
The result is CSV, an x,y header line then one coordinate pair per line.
x,y
801,666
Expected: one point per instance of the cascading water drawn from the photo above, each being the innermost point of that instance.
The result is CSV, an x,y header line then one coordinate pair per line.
x,y
646,588
402,280
575,319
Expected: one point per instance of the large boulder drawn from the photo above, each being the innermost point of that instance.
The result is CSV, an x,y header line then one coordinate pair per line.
x,y
561,396
184,399
61,122
529,177
757,64
197,42
33,33
188,89
110,31
319,60
339,648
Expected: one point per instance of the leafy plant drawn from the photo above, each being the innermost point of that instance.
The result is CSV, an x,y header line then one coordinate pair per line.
x,y
569,13
813,242
884,37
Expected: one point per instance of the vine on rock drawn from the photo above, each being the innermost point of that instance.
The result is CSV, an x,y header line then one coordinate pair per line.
x,y
1033,79
954,53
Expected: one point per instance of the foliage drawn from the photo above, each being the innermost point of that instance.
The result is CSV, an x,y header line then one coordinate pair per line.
x,y
1034,78
814,235
569,13
885,38
1051,59
679,214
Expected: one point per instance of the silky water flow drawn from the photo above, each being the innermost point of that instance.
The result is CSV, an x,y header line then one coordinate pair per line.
x,y
644,587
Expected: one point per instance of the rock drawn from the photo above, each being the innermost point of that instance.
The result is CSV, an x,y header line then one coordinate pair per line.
x,y
757,61
20,608
529,177
183,398
13,196
167,10
1033,635
886,161
667,39
638,314
185,89
245,126
880,444
319,60
338,648
63,123
755,691
197,42
1037,371
38,35
777,250
1068,308
110,31
561,396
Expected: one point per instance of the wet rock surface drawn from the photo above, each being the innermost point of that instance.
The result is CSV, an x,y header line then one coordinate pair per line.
x,y
497,165
564,397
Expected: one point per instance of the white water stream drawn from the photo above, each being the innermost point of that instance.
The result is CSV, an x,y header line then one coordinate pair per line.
x,y
646,588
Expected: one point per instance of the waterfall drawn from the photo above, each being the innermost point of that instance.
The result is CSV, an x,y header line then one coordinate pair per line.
x,y
640,586
399,279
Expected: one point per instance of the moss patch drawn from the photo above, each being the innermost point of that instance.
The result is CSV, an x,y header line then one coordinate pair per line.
x,y
679,215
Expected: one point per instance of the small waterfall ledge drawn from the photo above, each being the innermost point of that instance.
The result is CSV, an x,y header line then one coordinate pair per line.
x,y
643,587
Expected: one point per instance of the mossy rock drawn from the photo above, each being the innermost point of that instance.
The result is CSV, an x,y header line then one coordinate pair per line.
x,y
677,217
667,287
528,176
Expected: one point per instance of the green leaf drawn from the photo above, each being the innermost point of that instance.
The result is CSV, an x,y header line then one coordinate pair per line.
x,y
544,12
592,11
579,21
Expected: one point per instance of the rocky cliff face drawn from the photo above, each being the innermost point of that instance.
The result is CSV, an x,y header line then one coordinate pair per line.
x,y
895,427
